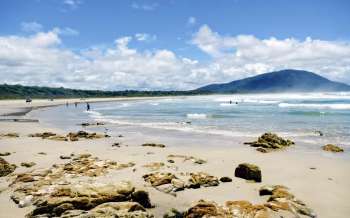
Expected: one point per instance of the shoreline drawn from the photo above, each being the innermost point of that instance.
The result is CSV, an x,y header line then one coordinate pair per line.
x,y
328,198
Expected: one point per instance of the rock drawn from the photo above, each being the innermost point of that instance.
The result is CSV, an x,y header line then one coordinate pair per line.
x,y
42,153
173,213
281,199
63,157
43,135
178,185
28,164
225,179
246,209
120,136
6,168
184,158
118,209
270,141
154,165
248,172
318,132
10,135
84,135
159,178
205,209
117,144
153,145
141,197
332,148
85,196
92,124
203,179
5,154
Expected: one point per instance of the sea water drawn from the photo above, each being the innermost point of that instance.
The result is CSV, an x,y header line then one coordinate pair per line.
x,y
299,116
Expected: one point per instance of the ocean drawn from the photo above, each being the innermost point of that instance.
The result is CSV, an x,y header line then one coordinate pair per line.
x,y
298,116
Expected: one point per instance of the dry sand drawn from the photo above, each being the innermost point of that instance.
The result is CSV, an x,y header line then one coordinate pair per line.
x,y
324,189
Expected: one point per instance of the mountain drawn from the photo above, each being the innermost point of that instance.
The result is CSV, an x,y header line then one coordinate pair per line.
x,y
278,81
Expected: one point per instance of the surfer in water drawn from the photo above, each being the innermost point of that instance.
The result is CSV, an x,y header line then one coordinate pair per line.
x,y
87,106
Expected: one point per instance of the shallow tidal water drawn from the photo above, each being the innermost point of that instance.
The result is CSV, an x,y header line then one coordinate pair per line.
x,y
221,117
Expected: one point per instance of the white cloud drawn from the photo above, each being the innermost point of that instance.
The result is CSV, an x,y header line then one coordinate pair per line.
x,y
72,4
31,26
145,37
39,59
145,7
66,31
191,21
245,55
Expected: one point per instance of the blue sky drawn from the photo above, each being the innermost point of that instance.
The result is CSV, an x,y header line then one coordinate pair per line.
x,y
205,32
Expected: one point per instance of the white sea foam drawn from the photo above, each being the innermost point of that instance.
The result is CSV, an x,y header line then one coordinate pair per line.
x,y
316,106
155,104
196,116
228,104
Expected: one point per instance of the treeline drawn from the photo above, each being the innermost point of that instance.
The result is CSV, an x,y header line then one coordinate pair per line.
x,y
21,92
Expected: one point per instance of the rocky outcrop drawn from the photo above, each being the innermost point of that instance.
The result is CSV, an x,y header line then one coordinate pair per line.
x,y
153,145
72,136
73,190
248,171
282,199
281,203
169,183
332,148
269,142
6,168
172,157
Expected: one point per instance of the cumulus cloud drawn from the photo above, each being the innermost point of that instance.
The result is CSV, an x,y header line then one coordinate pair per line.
x,y
73,4
245,55
145,37
31,26
40,59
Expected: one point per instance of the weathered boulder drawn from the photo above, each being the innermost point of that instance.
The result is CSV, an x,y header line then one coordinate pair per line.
x,y
205,209
203,179
332,148
6,168
173,213
270,141
159,178
90,196
43,135
246,209
153,145
75,136
248,171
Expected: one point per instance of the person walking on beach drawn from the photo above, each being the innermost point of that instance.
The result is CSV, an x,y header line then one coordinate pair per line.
x,y
87,106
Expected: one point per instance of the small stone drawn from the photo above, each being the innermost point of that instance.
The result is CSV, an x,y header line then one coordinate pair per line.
x,y
64,157
173,213
28,164
141,197
42,153
225,179
5,154
153,145
117,144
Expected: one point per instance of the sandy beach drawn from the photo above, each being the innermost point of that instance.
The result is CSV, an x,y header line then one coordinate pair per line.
x,y
321,182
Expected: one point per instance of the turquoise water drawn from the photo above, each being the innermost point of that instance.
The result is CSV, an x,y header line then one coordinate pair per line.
x,y
293,115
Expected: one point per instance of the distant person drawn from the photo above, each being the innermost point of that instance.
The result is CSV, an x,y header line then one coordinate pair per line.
x,y
75,104
230,102
67,104
87,106
236,102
